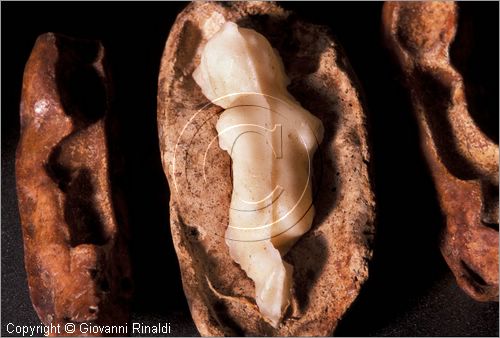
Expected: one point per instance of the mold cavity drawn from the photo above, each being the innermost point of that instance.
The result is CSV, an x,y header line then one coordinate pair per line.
x,y
194,233
493,226
80,213
92,309
221,311
84,221
93,273
81,87
436,93
191,37
489,212
472,55
56,171
83,97
104,285
473,276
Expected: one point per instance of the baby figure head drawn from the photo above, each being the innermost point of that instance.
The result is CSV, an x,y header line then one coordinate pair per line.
x,y
237,60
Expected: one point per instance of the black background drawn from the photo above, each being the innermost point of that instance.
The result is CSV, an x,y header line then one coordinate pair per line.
x,y
410,290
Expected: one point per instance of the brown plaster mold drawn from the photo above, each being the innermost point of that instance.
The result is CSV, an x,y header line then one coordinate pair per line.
x,y
75,247
331,260
463,160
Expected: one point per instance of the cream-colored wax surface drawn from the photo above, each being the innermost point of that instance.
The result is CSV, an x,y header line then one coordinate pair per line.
x,y
271,140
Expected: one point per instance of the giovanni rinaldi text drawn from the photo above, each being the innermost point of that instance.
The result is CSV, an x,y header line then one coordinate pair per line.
x,y
86,328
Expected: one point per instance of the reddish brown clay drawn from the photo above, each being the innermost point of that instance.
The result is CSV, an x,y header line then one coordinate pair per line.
x,y
75,250
331,260
462,159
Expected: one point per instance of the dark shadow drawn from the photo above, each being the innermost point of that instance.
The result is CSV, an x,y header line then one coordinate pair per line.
x,y
190,37
81,88
489,213
475,56
221,312
325,191
435,91
85,225
307,272
84,221
134,53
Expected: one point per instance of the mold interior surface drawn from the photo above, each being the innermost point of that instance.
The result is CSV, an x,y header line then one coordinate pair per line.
x,y
271,139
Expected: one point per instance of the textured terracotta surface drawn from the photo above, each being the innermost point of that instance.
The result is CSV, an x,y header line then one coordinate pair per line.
x,y
462,159
75,254
331,260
